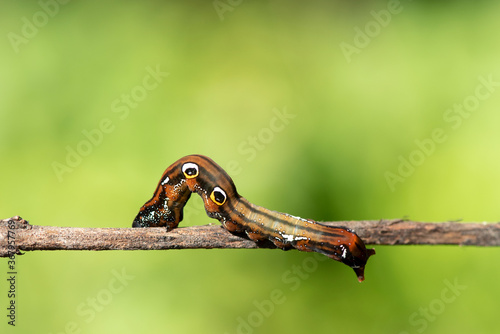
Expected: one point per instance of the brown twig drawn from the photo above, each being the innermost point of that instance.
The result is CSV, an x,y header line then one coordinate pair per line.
x,y
21,236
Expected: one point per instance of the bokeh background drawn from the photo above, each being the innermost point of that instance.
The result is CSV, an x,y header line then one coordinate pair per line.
x,y
313,107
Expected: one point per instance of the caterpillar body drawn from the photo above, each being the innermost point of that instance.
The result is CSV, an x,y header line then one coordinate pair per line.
x,y
200,174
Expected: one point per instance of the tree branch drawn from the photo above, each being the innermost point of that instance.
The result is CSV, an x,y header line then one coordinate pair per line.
x,y
17,235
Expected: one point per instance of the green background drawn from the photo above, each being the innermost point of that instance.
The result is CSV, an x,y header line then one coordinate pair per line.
x,y
352,120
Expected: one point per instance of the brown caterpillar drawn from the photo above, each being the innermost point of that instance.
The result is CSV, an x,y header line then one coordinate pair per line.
x,y
200,174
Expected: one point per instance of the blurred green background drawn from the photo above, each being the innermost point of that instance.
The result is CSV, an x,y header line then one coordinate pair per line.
x,y
363,87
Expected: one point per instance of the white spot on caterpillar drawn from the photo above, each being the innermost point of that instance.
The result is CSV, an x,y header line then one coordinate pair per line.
x,y
298,218
178,186
291,237
165,207
344,251
151,216
165,181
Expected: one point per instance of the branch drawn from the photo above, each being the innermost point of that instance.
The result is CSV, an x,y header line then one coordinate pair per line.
x,y
21,236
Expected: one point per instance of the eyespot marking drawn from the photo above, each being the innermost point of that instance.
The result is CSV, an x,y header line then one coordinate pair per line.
x,y
218,196
190,170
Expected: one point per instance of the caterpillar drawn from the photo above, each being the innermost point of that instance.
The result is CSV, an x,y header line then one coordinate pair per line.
x,y
200,174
